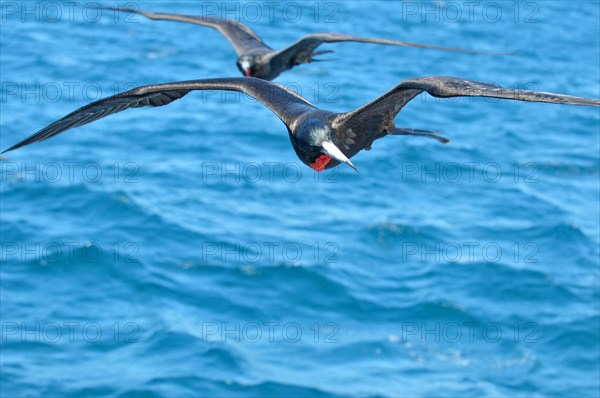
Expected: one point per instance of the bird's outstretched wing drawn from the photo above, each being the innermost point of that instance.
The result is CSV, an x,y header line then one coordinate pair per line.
x,y
302,50
285,103
242,38
376,118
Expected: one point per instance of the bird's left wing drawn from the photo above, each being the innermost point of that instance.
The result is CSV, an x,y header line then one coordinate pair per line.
x,y
285,103
241,37
377,117
304,47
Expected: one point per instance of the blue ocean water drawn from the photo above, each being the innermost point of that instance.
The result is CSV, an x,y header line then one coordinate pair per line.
x,y
185,251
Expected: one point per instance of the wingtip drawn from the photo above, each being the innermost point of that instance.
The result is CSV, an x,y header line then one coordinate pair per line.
x,y
12,148
443,140
3,157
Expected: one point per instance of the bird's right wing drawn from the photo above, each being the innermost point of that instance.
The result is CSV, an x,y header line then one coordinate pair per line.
x,y
285,103
242,38
394,100
377,116
304,47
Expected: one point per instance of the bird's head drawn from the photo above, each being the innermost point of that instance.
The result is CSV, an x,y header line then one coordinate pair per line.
x,y
314,146
246,64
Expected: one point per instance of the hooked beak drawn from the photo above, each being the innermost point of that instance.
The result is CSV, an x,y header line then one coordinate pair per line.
x,y
335,153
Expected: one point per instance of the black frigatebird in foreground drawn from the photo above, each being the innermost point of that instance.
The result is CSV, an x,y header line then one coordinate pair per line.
x,y
257,59
321,139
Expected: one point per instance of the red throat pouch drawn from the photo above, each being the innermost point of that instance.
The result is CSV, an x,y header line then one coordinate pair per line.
x,y
320,162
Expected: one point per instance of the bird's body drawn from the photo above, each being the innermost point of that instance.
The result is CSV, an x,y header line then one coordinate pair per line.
x,y
321,139
257,59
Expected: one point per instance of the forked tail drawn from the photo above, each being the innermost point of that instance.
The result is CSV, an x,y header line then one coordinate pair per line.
x,y
420,133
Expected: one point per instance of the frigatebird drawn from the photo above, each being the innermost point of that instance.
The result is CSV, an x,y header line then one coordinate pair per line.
x,y
257,59
322,139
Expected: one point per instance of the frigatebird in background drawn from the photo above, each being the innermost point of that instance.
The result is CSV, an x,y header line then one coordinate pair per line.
x,y
257,59
321,139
